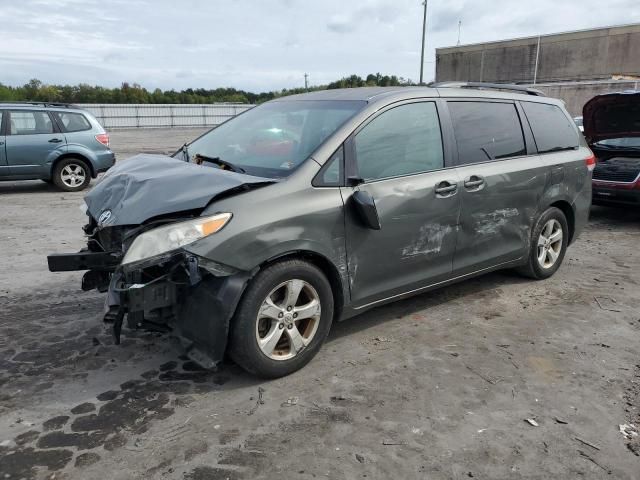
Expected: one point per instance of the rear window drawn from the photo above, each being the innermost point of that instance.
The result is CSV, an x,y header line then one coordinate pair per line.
x,y
552,129
486,131
73,122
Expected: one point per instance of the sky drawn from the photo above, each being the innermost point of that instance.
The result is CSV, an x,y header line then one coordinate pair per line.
x,y
261,45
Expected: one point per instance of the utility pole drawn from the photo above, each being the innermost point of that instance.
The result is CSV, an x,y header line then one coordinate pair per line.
x,y
424,33
459,25
306,81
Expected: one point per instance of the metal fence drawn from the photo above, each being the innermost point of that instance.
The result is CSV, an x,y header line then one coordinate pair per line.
x,y
116,115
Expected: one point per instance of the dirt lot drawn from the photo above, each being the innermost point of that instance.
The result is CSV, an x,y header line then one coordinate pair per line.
x,y
438,386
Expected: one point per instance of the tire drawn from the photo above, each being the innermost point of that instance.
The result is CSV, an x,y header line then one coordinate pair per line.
x,y
259,322
546,255
71,175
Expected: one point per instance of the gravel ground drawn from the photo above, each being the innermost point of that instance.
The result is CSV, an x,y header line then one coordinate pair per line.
x,y
439,386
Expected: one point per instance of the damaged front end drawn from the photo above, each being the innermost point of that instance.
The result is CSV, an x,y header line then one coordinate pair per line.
x,y
170,291
143,215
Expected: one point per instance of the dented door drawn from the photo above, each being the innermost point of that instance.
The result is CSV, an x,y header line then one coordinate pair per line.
x,y
496,215
400,158
501,183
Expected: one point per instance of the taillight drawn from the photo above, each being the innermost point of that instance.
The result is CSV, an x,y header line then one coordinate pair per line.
x,y
591,162
103,138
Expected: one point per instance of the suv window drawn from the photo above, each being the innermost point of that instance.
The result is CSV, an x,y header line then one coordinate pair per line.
x,y
26,122
552,129
402,141
486,131
72,122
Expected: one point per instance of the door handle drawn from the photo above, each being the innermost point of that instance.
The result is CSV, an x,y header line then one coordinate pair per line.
x,y
55,140
446,189
1,143
474,182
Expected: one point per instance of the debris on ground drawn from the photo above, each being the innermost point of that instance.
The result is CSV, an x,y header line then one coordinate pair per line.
x,y
532,422
629,430
259,402
560,421
359,458
588,444
606,303
291,401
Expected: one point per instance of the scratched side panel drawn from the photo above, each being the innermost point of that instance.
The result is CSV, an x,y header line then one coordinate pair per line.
x,y
496,221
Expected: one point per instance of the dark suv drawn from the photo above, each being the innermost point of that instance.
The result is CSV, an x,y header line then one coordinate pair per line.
x,y
58,143
313,208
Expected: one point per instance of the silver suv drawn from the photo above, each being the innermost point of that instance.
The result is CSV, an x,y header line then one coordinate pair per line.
x,y
58,143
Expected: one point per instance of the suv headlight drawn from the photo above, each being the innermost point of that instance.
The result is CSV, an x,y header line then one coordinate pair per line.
x,y
175,235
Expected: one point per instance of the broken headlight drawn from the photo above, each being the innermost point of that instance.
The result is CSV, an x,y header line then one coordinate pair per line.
x,y
175,235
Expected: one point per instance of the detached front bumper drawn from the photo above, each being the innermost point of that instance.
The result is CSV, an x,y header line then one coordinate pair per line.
x,y
182,293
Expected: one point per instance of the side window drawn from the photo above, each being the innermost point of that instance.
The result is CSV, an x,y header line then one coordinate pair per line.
x,y
402,141
25,122
486,131
73,122
552,129
331,174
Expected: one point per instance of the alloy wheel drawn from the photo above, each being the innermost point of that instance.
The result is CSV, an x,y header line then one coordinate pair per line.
x,y
550,243
73,175
288,319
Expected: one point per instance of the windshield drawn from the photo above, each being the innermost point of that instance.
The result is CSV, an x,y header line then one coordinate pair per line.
x,y
626,142
273,139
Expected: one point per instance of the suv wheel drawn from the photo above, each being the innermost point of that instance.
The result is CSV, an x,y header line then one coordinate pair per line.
x,y
282,320
71,175
548,244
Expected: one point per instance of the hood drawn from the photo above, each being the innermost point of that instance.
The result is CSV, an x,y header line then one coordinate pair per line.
x,y
146,186
612,115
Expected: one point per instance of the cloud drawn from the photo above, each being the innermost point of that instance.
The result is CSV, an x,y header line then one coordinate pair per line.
x,y
261,45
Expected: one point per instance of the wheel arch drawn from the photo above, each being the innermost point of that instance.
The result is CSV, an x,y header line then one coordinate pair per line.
x,y
77,156
328,268
566,208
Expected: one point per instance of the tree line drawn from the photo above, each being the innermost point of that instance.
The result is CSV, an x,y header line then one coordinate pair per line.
x,y
37,91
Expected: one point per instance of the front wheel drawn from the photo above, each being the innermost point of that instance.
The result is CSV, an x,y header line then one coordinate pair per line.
x,y
549,241
282,320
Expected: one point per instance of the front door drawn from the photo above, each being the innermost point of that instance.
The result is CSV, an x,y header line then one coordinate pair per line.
x,y
500,184
33,141
399,155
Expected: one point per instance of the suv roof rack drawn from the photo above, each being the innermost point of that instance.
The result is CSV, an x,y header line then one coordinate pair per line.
x,y
42,104
490,86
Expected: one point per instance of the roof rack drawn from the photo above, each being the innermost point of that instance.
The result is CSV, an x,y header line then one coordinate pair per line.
x,y
42,104
489,86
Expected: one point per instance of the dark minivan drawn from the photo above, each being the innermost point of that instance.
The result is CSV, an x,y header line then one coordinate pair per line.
x,y
313,208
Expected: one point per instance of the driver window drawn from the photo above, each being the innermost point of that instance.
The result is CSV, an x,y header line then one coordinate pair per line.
x,y
402,141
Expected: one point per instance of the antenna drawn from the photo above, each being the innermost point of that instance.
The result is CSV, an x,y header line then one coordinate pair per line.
x,y
424,33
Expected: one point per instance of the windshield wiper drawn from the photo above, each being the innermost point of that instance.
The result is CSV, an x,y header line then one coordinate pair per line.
x,y
219,161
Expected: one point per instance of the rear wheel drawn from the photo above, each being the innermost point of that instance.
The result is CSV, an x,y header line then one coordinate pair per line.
x,y
548,245
282,320
71,175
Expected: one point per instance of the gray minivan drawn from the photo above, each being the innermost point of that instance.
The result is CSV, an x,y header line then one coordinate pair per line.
x,y
252,239
58,143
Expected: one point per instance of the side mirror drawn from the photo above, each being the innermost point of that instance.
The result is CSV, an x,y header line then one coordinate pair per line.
x,y
366,207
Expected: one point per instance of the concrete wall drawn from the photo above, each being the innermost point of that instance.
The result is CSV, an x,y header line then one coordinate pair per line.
x,y
585,55
576,94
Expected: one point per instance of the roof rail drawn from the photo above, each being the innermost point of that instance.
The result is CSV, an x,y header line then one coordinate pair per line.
x,y
42,104
491,86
